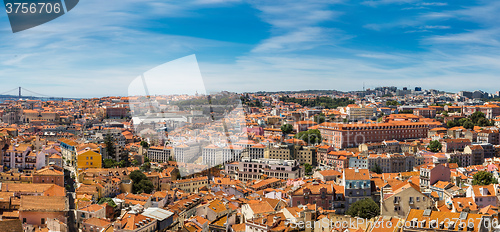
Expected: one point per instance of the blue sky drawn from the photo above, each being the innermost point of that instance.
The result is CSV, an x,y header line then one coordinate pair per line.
x,y
99,47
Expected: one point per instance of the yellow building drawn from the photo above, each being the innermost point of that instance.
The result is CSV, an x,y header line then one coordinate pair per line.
x,y
88,159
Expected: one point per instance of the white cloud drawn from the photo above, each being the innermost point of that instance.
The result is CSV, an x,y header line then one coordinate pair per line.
x,y
375,3
487,37
295,25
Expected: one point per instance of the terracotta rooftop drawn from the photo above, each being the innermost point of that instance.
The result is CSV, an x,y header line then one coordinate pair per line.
x,y
44,203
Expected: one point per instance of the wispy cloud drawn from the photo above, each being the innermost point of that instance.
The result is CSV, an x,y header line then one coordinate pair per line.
x,y
93,47
375,3
481,37
433,4
295,25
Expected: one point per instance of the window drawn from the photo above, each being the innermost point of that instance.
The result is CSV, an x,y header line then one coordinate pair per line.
x,y
24,220
43,221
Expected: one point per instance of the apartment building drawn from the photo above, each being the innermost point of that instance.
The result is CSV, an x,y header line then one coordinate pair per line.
x,y
358,162
490,111
350,135
282,151
338,159
488,136
68,150
253,169
464,159
425,112
388,162
476,153
322,152
390,146
483,195
185,153
323,195
212,155
231,153
88,159
49,175
190,185
402,198
356,112
450,145
432,173
19,156
256,151
305,155
357,185
160,154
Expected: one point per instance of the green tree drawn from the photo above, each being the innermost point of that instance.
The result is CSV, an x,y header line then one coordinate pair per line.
x,y
107,200
308,168
109,163
392,103
483,178
450,124
319,118
366,208
468,124
476,116
286,128
110,145
145,186
483,122
376,168
140,182
310,136
121,164
146,167
435,146
410,111
144,144
455,160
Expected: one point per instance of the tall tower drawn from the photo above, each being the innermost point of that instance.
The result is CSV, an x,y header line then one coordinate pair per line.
x,y
19,92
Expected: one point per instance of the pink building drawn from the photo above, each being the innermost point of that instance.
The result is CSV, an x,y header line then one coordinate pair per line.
x,y
338,159
35,210
483,195
432,173
303,125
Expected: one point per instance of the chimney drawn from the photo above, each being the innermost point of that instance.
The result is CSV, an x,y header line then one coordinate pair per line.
x,y
275,219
